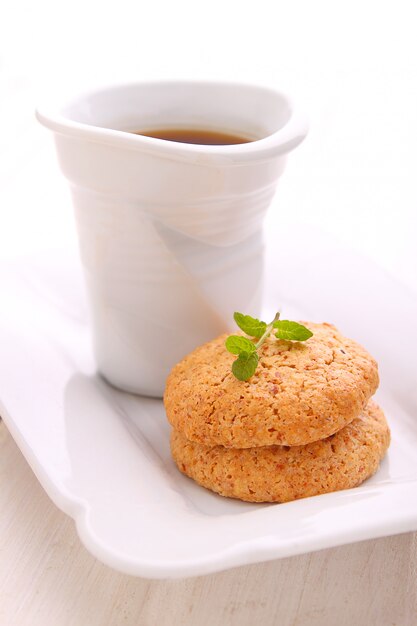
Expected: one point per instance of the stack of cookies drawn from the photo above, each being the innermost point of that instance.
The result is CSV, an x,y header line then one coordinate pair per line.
x,y
303,425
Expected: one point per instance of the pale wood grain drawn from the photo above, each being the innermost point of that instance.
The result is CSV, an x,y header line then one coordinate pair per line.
x,y
48,578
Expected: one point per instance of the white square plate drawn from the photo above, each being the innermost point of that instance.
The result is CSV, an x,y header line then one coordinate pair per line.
x,y
103,455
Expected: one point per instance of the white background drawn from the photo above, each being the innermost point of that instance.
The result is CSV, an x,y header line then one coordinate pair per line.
x,y
351,65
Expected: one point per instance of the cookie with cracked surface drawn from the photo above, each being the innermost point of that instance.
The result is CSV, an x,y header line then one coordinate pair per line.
x,y
282,473
301,392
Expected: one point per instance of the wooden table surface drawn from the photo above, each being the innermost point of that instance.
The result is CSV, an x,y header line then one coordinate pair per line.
x,y
47,578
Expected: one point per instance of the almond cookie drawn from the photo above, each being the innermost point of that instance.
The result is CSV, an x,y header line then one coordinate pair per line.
x,y
282,473
301,392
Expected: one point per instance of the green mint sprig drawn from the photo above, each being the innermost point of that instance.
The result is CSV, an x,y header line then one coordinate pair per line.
x,y
247,350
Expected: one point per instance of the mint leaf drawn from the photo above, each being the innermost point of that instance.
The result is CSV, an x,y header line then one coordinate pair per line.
x,y
245,365
250,325
237,344
248,357
291,331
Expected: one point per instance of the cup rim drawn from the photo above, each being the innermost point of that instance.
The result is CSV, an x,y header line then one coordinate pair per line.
x,y
280,142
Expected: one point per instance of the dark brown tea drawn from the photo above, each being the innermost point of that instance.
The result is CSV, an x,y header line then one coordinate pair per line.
x,y
195,135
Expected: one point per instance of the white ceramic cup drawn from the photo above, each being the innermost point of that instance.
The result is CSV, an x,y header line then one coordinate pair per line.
x,y
170,233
